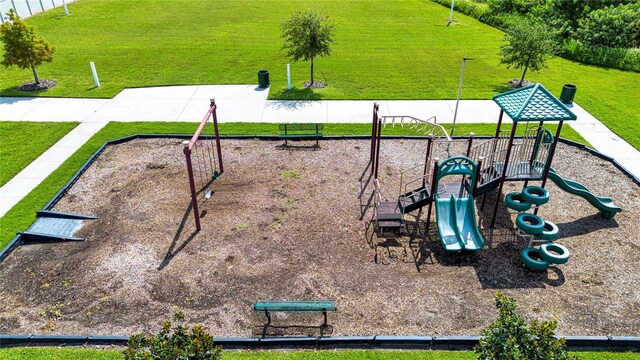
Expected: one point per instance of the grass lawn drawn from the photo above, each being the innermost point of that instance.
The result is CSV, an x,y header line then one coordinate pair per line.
x,y
23,213
72,354
382,50
22,142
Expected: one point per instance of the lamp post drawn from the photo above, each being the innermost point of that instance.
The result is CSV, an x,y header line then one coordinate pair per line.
x,y
451,13
455,113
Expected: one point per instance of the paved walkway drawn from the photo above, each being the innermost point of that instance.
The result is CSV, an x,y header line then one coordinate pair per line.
x,y
245,103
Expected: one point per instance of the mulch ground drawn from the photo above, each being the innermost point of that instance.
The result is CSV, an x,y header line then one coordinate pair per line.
x,y
286,224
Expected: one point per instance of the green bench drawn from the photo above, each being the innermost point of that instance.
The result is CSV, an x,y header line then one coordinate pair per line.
x,y
301,131
322,306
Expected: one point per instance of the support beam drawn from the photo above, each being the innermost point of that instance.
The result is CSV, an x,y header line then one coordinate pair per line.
x,y
217,133
499,122
375,175
547,166
504,171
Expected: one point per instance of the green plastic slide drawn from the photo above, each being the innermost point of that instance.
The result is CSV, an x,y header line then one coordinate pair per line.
x,y
607,209
457,227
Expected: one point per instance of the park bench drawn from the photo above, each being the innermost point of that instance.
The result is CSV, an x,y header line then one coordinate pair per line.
x,y
322,306
301,131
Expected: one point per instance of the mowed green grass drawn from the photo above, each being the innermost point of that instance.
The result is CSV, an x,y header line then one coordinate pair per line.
x,y
382,50
22,142
22,214
42,353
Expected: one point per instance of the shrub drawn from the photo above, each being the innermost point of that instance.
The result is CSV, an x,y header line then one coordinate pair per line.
x,y
512,6
510,338
467,7
618,58
195,344
613,26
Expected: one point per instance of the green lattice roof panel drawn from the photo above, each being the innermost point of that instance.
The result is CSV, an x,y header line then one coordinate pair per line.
x,y
533,103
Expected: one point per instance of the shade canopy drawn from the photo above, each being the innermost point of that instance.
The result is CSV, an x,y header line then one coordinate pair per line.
x,y
533,103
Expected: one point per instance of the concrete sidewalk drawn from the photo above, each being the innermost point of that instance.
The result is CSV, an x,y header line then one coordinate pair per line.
x,y
247,103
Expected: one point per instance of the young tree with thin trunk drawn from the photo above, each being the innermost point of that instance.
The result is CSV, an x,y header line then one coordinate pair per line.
x,y
22,46
307,35
529,45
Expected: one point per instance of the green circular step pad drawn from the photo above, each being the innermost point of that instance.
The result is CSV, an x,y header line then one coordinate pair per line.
x,y
514,201
535,195
529,223
531,258
554,253
549,232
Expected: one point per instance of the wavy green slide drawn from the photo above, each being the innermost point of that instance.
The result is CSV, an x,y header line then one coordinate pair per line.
x,y
607,209
457,227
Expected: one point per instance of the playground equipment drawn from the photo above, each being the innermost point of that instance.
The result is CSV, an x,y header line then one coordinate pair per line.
x,y
607,209
537,231
489,164
201,155
456,215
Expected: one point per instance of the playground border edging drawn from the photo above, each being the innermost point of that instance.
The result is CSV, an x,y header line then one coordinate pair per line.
x,y
579,343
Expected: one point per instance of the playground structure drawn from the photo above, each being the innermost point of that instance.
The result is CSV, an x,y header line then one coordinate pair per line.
x,y
485,166
204,160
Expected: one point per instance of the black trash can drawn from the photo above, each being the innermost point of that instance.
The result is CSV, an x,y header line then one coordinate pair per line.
x,y
263,79
568,93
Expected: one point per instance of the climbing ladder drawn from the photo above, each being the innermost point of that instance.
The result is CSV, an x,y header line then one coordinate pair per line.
x,y
425,127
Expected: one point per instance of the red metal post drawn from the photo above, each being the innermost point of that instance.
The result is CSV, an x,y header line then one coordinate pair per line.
x,y
192,185
375,176
374,131
217,133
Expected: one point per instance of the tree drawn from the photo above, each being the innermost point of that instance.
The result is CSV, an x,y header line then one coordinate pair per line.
x,y
529,45
22,46
307,35
510,338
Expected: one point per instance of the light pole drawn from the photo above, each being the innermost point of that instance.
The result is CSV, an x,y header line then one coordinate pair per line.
x,y
451,13
455,113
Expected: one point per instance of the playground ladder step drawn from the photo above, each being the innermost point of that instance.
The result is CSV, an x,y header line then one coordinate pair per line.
x,y
414,199
389,215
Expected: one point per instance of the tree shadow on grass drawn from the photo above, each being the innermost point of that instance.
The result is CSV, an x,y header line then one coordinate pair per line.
x,y
297,94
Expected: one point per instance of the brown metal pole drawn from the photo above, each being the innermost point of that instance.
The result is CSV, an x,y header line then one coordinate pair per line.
x,y
375,176
504,171
547,166
192,185
426,161
215,128
470,144
374,131
499,123
552,152
433,194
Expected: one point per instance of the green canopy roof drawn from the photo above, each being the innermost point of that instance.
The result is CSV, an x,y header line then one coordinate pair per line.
x,y
533,103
